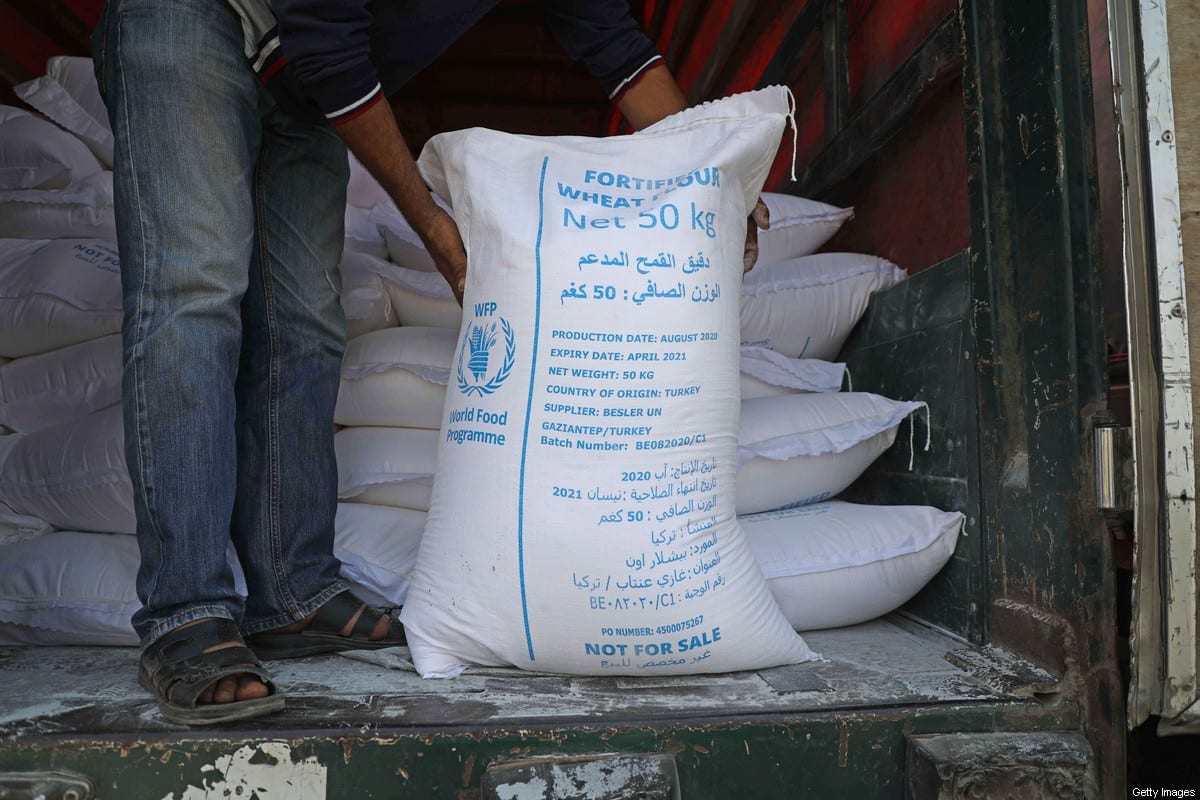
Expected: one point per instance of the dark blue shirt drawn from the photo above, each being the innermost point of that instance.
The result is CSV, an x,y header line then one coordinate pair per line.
x,y
340,57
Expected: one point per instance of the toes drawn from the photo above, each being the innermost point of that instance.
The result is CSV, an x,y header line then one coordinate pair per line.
x,y
381,628
348,628
251,688
226,690
233,688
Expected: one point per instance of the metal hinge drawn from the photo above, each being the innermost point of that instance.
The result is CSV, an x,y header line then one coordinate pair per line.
x,y
47,785
1114,464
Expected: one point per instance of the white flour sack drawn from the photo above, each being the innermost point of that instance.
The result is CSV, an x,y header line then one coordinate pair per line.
x,y
364,299
68,588
420,298
799,449
582,513
82,210
72,475
396,378
57,293
386,466
798,227
806,307
65,384
404,246
362,235
835,563
68,94
766,373
37,154
377,546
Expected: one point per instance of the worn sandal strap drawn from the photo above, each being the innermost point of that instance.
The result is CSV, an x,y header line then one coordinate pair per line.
x,y
183,683
190,642
179,669
340,609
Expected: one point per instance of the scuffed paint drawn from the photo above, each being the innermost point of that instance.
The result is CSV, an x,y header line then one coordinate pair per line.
x,y
265,771
532,789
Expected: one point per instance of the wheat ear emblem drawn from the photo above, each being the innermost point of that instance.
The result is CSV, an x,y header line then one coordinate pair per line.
x,y
480,342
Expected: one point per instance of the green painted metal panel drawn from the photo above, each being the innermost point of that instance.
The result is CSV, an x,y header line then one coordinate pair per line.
x,y
1037,314
853,754
915,343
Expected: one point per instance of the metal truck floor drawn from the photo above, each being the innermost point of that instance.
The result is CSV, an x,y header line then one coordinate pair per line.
x,y
881,664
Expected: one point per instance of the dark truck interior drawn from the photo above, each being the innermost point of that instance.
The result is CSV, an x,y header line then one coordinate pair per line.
x,y
899,115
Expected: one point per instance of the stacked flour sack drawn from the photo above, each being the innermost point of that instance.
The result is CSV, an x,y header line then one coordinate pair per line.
x,y
65,497
827,562
66,500
402,326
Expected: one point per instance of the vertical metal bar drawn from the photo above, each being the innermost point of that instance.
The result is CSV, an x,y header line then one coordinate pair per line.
x,y
837,67
1178,542
1145,682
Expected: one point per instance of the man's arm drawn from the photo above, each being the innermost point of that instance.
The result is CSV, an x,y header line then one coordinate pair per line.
x,y
655,96
375,139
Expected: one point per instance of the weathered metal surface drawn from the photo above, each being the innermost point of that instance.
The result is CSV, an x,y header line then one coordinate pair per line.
x,y
1145,683
835,37
806,23
1114,465
1178,541
847,753
1045,638
45,785
1015,766
1005,672
1037,313
607,776
915,342
889,662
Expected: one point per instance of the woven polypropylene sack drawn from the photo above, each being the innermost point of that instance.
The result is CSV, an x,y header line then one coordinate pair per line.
x,y
72,475
395,378
57,293
834,564
806,307
800,449
61,385
582,512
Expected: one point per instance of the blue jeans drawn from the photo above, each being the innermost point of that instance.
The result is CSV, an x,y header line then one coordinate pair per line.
x,y
230,227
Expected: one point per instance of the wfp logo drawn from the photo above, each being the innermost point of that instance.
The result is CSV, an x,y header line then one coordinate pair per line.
x,y
480,353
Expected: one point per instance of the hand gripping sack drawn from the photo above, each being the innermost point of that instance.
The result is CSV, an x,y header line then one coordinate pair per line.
x,y
582,517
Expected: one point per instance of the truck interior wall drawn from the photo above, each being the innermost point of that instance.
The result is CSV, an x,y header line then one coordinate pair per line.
x,y
23,52
916,341
1109,182
882,35
910,199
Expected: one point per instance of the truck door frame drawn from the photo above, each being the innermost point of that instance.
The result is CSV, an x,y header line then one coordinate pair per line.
x,y
1163,633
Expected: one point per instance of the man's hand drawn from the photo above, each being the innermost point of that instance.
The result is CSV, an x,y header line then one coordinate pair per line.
x,y
445,245
654,96
374,137
760,217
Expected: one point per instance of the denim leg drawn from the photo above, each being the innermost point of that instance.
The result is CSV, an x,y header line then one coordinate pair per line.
x,y
290,369
186,114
